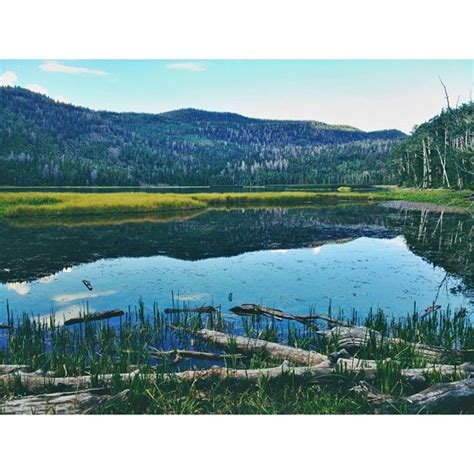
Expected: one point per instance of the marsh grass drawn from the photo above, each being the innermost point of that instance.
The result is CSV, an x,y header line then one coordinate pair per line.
x,y
50,204
123,345
35,204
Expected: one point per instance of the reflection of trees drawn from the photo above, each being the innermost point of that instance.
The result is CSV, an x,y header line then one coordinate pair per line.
x,y
30,251
442,238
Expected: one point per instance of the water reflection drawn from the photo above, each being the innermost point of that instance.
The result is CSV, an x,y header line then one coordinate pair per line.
x,y
357,256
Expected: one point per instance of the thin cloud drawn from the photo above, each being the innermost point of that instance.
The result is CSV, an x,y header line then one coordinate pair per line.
x,y
8,78
54,66
37,88
190,67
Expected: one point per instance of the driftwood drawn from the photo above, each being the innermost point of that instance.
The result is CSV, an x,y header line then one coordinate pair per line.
x,y
254,309
353,338
415,377
435,399
317,372
63,403
11,368
181,353
36,382
326,371
250,345
94,317
5,327
200,309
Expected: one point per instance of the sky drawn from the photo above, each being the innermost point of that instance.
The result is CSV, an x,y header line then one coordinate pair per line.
x,y
368,94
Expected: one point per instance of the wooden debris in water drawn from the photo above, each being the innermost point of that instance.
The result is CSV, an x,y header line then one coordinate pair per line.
x,y
255,309
94,317
200,309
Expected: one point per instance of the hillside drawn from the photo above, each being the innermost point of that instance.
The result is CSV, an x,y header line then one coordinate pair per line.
x,y
440,152
51,143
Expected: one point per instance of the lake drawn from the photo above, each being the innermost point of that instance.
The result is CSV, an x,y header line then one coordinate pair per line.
x,y
352,257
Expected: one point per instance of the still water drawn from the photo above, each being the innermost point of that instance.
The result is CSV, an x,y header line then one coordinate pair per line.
x,y
354,257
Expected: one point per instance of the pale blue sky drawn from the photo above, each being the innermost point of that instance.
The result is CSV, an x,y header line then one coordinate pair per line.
x,y
369,94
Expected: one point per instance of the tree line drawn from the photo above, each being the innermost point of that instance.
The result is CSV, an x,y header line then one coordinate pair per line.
x,y
440,152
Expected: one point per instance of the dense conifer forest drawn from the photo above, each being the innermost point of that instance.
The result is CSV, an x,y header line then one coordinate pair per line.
x,y
43,142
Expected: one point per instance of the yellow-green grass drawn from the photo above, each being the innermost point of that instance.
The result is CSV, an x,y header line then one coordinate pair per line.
x,y
38,204
62,204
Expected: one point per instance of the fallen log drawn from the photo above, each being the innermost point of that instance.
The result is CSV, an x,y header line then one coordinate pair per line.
x,y
415,377
101,315
254,309
5,327
10,368
353,338
442,396
250,345
321,372
36,382
200,309
79,402
182,353
435,399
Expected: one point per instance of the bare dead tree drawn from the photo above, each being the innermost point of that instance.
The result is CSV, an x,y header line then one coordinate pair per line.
x,y
445,92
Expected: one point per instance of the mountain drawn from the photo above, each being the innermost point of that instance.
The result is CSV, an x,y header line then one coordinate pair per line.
x,y
440,152
52,143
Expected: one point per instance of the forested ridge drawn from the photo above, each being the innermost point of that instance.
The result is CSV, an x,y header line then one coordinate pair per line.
x,y
43,142
440,152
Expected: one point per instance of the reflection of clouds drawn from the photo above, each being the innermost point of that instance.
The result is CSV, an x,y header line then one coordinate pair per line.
x,y
67,297
47,279
68,312
398,242
21,288
194,296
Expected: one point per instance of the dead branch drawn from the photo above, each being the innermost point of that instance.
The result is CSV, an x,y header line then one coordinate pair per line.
x,y
352,339
79,402
254,309
99,316
435,399
250,345
10,368
181,353
445,92
200,309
